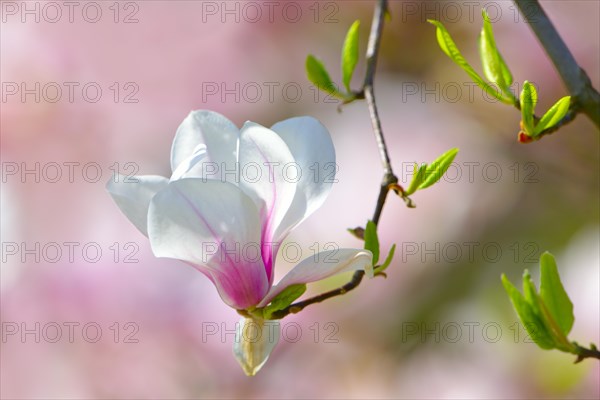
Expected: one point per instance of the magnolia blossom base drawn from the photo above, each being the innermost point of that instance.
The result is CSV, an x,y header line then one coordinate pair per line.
x,y
200,214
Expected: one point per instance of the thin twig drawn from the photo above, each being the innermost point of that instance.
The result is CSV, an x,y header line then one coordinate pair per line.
x,y
389,179
372,53
583,353
576,80
297,307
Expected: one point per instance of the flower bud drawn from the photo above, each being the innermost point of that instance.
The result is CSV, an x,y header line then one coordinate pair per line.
x,y
255,338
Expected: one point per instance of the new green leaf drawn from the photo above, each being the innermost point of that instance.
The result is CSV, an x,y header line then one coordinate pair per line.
x,y
438,168
528,100
547,321
553,115
449,47
418,177
387,15
372,241
387,262
350,54
538,307
319,76
494,67
554,295
284,299
534,326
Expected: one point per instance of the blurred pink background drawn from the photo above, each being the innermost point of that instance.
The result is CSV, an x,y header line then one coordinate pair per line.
x,y
440,325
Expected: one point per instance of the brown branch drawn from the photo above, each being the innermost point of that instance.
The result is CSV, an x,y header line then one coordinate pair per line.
x,y
586,98
583,353
297,307
368,90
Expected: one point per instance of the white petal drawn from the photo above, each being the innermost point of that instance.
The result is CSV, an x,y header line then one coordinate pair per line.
x,y
263,156
192,167
323,265
312,148
133,195
212,129
254,341
214,226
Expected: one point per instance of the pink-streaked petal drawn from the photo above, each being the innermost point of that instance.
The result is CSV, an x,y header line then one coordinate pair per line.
x,y
212,129
312,148
214,226
254,341
263,157
133,195
323,265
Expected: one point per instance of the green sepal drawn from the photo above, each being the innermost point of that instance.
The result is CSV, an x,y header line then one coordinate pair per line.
x,y
283,299
372,240
387,262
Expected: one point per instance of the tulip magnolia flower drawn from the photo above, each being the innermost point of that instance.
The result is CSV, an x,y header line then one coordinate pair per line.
x,y
233,197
